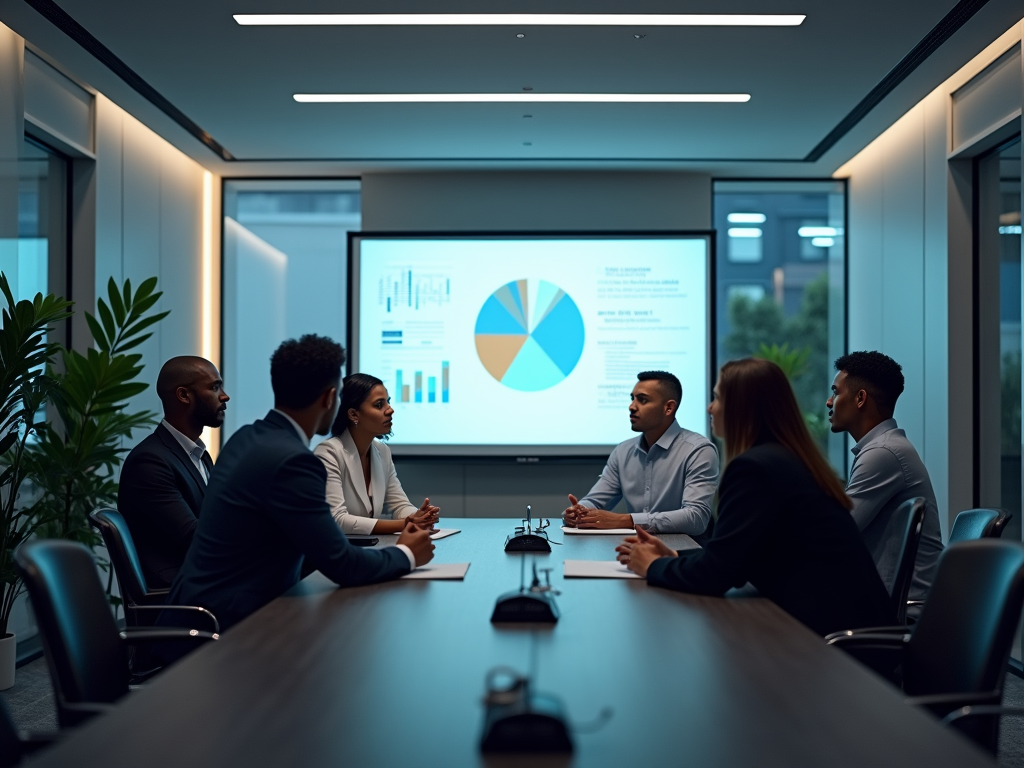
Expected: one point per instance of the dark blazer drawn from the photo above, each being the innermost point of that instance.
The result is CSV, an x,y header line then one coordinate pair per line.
x,y
266,509
779,531
160,494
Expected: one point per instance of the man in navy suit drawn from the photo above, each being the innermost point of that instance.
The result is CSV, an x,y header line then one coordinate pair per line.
x,y
164,478
266,508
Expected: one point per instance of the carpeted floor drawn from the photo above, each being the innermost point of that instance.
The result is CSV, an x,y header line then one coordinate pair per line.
x,y
32,707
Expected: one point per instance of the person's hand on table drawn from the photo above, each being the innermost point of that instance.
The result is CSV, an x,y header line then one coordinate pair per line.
x,y
418,541
574,511
426,516
602,518
638,552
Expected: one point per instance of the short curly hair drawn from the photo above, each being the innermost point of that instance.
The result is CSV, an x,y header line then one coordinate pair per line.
x,y
878,374
300,370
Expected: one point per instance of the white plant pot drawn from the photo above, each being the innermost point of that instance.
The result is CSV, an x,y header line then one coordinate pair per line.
x,y
8,655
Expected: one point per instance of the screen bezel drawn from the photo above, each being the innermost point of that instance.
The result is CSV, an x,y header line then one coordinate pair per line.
x,y
519,453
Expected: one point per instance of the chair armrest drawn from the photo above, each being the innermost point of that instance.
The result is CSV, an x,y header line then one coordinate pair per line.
x,y
868,639
915,602
134,636
208,614
940,703
978,710
895,630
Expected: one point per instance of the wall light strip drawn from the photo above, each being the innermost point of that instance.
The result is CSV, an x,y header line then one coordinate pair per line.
x,y
211,440
526,96
522,19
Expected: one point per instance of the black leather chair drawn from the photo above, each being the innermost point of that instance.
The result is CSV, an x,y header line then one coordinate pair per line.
x,y
977,524
912,512
86,654
955,656
138,597
995,531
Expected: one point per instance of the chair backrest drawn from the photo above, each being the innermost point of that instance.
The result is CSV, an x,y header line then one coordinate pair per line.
x,y
962,639
87,658
123,555
972,524
995,530
912,511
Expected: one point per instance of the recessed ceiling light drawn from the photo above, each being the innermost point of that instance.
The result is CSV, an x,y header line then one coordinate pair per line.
x,y
746,218
523,19
614,98
520,35
818,231
822,242
744,232
639,37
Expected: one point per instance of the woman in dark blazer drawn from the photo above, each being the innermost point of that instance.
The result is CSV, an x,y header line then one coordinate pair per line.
x,y
784,523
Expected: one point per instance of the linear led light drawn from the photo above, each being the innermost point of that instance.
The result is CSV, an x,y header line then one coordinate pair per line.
x,y
746,218
744,232
526,96
822,242
1011,229
819,231
521,19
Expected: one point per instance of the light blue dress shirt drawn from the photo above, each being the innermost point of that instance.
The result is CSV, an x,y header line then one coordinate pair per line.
x,y
887,471
668,488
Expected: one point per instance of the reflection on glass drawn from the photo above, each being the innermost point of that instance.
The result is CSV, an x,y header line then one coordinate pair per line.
x,y
285,268
1010,333
780,291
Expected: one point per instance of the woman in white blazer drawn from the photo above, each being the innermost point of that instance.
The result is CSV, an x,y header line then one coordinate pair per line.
x,y
362,485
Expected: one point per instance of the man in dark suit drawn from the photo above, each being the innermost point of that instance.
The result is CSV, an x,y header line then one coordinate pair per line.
x,y
266,507
164,478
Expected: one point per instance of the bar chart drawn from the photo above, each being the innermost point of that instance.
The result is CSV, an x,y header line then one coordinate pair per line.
x,y
410,289
415,392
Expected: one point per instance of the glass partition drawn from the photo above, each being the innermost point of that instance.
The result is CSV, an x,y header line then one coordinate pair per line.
x,y
285,271
781,286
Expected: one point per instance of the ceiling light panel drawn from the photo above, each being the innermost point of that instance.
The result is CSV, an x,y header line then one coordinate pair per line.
x,y
522,19
529,97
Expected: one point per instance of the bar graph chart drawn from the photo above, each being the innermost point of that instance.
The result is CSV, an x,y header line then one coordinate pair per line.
x,y
416,393
409,289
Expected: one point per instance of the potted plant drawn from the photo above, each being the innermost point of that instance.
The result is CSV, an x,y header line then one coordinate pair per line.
x,y
25,385
71,462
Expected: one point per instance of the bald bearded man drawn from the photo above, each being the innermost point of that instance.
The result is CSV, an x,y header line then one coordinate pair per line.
x,y
164,478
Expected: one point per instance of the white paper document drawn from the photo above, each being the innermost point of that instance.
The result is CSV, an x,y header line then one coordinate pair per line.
x,y
442,532
599,531
597,569
439,571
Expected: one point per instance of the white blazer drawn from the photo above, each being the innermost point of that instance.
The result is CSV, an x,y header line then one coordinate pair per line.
x,y
346,489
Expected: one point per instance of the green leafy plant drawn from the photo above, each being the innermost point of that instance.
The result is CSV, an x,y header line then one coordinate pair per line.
x,y
25,386
74,462
793,362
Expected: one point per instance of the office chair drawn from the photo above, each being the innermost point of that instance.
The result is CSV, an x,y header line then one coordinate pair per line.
x,y
135,592
955,657
86,654
995,531
975,524
913,511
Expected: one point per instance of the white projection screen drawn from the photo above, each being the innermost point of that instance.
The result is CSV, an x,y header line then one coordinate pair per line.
x,y
528,344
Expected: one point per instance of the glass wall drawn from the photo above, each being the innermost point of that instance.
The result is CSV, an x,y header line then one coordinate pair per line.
x,y
781,291
34,255
285,270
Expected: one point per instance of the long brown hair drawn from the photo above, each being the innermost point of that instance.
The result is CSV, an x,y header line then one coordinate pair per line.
x,y
757,404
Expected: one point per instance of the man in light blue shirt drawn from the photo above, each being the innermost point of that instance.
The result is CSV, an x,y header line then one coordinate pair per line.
x,y
886,469
667,476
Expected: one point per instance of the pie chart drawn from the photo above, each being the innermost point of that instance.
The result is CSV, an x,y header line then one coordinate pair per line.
x,y
529,335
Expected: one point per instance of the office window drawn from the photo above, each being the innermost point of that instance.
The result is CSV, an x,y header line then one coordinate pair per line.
x,y
33,250
784,299
285,271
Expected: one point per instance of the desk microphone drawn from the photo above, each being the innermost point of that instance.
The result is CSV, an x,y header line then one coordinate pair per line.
x,y
536,604
526,538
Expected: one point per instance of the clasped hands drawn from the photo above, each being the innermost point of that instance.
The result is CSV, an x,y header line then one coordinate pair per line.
x,y
426,516
416,530
638,552
578,516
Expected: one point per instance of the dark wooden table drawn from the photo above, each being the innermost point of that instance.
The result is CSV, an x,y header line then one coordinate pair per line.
x,y
393,675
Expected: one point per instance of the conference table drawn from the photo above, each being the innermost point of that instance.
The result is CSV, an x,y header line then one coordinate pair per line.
x,y
393,675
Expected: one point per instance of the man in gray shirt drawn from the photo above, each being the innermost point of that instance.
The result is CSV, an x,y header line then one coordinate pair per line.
x,y
886,469
667,476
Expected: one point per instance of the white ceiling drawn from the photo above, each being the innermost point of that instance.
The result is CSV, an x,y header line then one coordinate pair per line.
x,y
237,82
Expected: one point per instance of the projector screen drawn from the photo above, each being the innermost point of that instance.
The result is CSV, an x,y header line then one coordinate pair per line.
x,y
527,345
